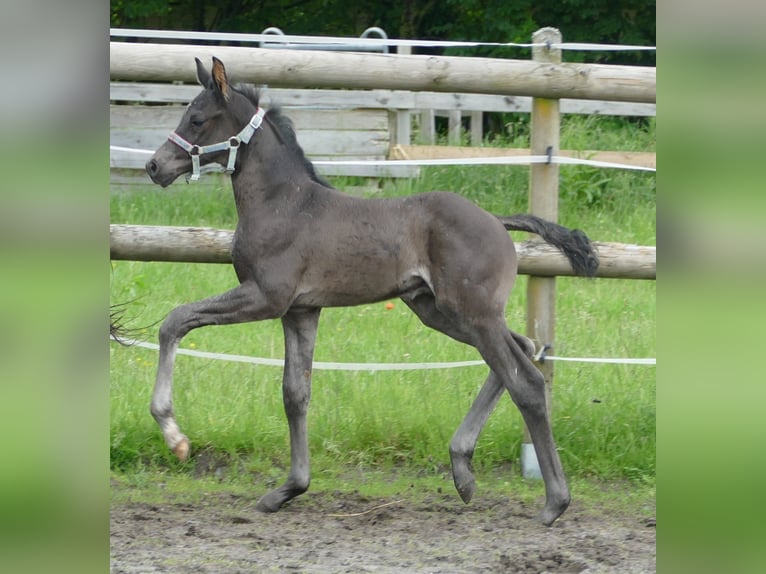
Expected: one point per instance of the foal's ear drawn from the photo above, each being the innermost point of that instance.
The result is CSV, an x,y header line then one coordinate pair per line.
x,y
203,76
219,78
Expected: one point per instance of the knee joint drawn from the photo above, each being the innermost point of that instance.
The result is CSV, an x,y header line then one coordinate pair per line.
x,y
168,329
457,449
176,325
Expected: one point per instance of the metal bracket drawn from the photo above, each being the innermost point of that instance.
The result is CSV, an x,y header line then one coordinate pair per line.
x,y
540,355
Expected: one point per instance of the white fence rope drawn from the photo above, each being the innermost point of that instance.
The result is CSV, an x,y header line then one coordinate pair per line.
x,y
373,367
336,40
510,160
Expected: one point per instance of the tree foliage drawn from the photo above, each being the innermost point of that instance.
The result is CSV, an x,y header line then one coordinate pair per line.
x,y
603,21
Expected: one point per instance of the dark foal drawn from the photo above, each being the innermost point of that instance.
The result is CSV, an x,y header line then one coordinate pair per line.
x,y
301,245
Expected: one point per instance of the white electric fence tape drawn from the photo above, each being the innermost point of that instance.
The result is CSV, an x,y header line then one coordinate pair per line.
x,y
510,160
372,367
336,40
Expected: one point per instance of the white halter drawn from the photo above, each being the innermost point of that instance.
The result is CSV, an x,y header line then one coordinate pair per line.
x,y
232,144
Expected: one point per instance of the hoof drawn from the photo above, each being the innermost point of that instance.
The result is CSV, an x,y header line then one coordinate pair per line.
x,y
466,490
273,501
265,505
549,515
181,450
462,474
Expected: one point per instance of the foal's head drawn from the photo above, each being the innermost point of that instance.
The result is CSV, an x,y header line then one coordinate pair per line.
x,y
214,124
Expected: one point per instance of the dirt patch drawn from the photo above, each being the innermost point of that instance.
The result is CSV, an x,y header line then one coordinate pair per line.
x,y
345,532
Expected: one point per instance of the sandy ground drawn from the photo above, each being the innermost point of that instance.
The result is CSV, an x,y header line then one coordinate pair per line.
x,y
328,532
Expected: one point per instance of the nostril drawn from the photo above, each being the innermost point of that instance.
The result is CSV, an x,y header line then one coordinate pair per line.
x,y
152,167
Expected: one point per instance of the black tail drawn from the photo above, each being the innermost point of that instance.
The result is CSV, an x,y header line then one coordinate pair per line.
x,y
571,242
117,330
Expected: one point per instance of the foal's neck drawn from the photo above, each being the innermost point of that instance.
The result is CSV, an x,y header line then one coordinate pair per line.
x,y
269,171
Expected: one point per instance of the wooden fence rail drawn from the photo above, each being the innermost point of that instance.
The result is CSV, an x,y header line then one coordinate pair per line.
x,y
288,68
207,245
314,98
423,106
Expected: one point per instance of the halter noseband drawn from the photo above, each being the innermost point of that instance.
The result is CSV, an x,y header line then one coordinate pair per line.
x,y
232,144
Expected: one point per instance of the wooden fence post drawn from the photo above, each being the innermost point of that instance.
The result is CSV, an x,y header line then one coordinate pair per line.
x,y
403,127
543,202
477,128
427,134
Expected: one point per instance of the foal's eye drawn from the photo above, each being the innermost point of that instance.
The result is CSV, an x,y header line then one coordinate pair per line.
x,y
197,122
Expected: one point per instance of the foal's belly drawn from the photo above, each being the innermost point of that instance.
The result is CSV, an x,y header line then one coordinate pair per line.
x,y
343,287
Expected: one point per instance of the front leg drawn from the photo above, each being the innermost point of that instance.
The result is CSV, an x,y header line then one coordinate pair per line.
x,y
162,399
300,328
241,304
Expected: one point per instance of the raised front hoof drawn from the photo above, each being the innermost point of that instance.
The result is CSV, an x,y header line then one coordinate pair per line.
x,y
181,450
552,511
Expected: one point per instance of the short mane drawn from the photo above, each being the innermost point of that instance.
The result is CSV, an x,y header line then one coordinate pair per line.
x,y
284,127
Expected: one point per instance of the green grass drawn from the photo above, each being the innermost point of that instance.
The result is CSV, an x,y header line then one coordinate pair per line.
x,y
603,415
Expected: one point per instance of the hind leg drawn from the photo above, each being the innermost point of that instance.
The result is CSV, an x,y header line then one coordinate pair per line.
x,y
466,436
511,364
463,442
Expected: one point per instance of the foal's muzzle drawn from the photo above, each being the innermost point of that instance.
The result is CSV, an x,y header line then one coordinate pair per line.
x,y
163,168
152,168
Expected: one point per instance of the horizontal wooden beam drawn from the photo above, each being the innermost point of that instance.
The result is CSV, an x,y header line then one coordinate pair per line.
x,y
292,98
207,245
301,68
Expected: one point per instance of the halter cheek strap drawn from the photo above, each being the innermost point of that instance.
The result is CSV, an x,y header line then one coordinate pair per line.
x,y
232,144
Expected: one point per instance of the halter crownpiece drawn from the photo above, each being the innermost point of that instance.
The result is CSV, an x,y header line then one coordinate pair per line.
x,y
232,144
